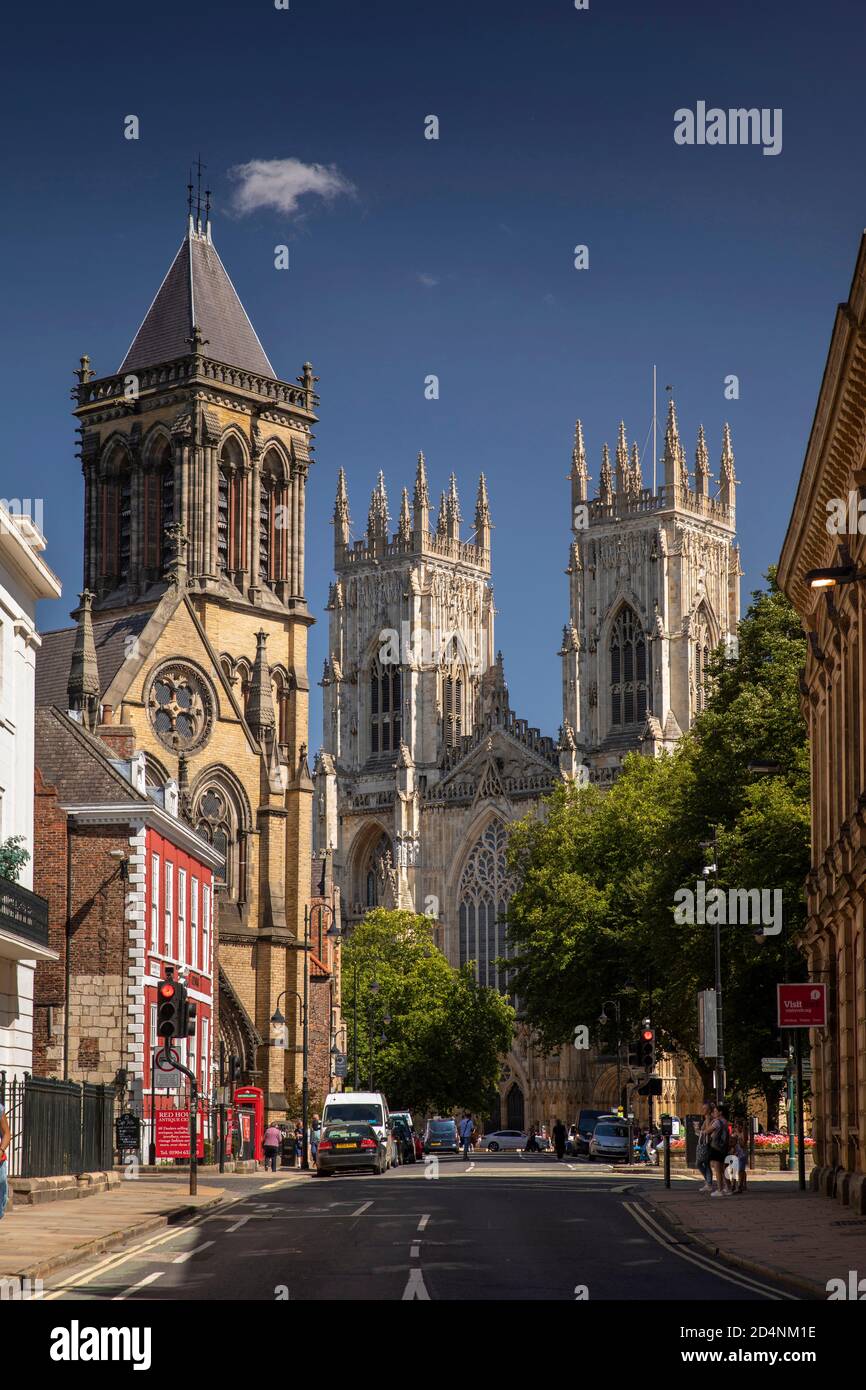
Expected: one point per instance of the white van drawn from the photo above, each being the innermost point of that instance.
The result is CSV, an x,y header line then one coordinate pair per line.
x,y
361,1105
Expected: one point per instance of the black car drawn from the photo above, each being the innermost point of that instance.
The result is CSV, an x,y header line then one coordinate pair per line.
x,y
350,1144
404,1140
440,1137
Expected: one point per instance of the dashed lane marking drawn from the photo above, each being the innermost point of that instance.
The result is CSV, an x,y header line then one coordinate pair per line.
x,y
236,1227
360,1212
415,1287
468,1170
149,1279
188,1254
423,1222
415,1250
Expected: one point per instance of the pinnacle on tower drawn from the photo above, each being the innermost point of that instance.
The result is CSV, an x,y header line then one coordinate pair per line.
x,y
453,516
405,524
702,465
727,490
260,701
482,515
82,690
621,460
378,517
579,474
673,455
442,521
636,474
605,481
342,520
422,495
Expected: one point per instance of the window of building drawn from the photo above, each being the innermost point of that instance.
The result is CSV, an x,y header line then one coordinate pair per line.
x,y
377,864
154,902
205,1056
702,646
232,508
386,707
453,694
169,910
193,922
206,910
273,532
628,682
114,515
181,916
485,889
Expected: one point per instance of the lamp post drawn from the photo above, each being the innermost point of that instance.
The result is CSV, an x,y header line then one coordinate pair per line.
x,y
602,1018
717,944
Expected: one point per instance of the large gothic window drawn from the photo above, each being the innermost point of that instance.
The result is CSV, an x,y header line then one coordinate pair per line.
x,y
231,508
114,517
485,888
273,531
374,875
702,646
218,818
453,694
386,707
158,500
628,683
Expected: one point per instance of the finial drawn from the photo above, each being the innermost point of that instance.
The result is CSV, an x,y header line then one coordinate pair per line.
x,y
453,501
605,481
441,524
727,453
422,495
197,342
636,471
405,523
199,166
378,517
578,453
83,372
702,455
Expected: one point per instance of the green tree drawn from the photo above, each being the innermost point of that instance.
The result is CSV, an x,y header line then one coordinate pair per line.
x,y
431,1036
13,857
593,917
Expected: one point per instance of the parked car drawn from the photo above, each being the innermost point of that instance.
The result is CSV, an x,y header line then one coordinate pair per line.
x,y
441,1137
503,1139
351,1144
586,1123
403,1115
609,1141
367,1107
402,1136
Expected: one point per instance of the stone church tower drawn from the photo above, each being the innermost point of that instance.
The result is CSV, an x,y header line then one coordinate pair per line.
x,y
192,628
654,585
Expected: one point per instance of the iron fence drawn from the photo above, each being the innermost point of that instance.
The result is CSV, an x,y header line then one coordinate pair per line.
x,y
58,1127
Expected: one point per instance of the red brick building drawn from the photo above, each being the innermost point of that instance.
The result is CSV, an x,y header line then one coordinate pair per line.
x,y
130,890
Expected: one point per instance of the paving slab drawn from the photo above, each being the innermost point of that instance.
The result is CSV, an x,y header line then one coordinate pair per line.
x,y
772,1229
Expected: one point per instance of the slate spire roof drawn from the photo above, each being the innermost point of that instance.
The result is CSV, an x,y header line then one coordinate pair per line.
x,y
197,293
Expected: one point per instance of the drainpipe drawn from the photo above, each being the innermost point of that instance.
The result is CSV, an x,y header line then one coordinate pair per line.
x,y
67,964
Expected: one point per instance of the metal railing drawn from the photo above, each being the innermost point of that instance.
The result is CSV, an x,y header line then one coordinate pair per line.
x,y
58,1127
23,912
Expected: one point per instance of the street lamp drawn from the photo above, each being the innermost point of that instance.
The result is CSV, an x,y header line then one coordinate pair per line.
x,y
832,575
717,943
603,1019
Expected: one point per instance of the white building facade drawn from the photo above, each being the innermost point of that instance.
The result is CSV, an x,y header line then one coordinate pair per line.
x,y
24,579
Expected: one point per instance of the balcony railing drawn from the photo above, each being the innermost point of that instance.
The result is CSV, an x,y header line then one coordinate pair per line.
x,y
23,912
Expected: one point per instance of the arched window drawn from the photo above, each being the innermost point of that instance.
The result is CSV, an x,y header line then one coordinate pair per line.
x,y
158,506
702,645
280,690
114,514
628,685
218,818
376,866
244,675
231,508
386,707
453,694
485,889
273,531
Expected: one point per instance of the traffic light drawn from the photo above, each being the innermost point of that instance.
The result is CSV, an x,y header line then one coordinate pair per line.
x,y
190,1009
634,1055
169,1010
648,1049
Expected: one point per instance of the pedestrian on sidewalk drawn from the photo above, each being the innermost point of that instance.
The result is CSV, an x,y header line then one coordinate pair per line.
x,y
702,1157
559,1138
531,1141
299,1143
719,1141
315,1136
741,1150
467,1128
272,1141
5,1141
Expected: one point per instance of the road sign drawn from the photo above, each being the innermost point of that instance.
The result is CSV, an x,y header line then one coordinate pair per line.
x,y
802,1006
169,1080
172,1135
773,1063
341,1065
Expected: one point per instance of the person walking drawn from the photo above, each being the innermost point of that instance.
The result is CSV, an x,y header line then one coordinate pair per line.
x,y
466,1129
718,1141
559,1137
272,1141
532,1141
315,1136
5,1141
299,1143
702,1157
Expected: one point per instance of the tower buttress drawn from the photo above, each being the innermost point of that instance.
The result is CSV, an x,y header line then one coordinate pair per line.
x,y
482,516
452,511
342,520
579,475
621,461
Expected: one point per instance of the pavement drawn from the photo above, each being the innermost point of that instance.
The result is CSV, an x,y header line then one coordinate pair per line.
x,y
501,1227
773,1229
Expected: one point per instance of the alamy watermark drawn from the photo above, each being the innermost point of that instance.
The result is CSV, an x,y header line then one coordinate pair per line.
x,y
750,907
736,126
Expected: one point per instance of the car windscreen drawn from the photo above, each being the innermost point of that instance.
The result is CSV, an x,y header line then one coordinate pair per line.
x,y
354,1110
611,1131
349,1131
443,1127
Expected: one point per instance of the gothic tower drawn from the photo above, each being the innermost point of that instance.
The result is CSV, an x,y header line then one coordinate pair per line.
x,y
653,589
195,457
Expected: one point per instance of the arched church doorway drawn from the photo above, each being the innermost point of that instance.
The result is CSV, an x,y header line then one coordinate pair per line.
x,y
514,1108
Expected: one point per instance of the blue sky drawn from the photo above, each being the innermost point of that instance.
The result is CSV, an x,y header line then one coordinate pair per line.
x,y
452,257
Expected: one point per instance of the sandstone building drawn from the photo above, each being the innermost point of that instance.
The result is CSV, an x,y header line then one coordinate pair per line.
x,y
192,626
828,528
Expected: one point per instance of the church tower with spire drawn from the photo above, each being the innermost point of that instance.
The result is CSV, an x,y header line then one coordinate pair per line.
x,y
654,584
192,627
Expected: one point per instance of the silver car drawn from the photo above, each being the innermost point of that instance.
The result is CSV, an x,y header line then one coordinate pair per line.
x,y
609,1141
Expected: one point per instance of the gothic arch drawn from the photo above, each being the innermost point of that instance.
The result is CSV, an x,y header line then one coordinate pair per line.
x,y
372,858
455,688
625,669
222,815
704,637
482,889
272,533
114,500
232,494
156,773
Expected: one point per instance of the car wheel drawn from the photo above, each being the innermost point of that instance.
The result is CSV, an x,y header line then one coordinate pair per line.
x,y
493,1148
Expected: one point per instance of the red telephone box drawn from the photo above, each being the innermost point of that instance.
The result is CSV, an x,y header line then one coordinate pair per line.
x,y
250,1102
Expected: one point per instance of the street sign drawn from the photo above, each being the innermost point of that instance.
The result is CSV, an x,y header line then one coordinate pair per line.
x,y
169,1080
802,1006
341,1065
127,1128
773,1063
172,1135
708,1045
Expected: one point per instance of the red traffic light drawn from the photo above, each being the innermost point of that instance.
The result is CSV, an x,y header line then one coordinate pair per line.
x,y
166,990
648,1034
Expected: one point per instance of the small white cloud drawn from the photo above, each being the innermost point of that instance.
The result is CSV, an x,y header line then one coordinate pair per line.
x,y
427,280
281,183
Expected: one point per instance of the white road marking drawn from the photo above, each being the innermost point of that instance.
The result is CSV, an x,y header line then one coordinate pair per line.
x,y
423,1222
572,1166
150,1279
415,1250
661,1237
361,1209
415,1287
236,1227
467,1170
188,1254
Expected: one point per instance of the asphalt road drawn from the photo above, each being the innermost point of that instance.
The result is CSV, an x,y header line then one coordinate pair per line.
x,y
502,1227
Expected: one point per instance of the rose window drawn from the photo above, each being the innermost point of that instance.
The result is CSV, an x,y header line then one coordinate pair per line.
x,y
179,707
